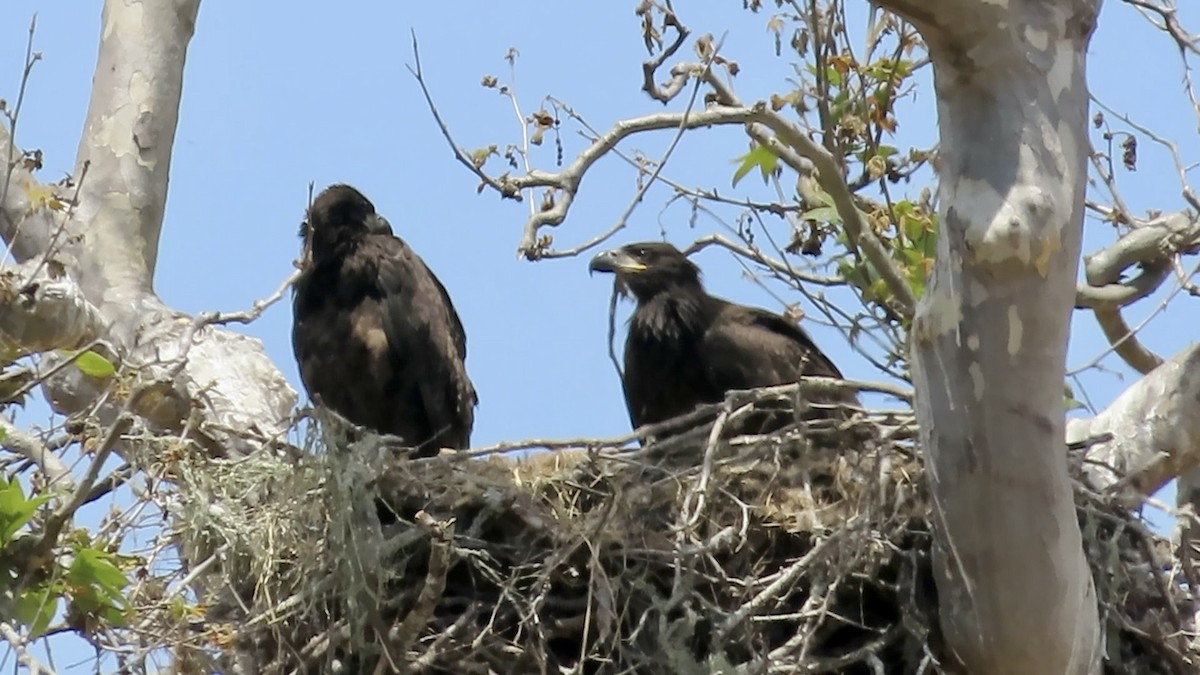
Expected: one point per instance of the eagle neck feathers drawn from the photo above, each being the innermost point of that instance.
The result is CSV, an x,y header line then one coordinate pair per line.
x,y
679,313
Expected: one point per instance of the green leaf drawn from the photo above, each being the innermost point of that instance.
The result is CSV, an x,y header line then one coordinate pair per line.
x,y
94,568
916,279
822,214
833,77
16,509
96,585
759,156
35,608
94,365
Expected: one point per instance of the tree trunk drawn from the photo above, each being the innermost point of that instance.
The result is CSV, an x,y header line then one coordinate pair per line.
x,y
217,384
990,334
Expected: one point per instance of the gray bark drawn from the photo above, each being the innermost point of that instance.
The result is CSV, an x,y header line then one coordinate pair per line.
x,y
219,384
990,335
1155,427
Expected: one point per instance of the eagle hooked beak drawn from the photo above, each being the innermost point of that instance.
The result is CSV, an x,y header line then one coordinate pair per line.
x,y
615,261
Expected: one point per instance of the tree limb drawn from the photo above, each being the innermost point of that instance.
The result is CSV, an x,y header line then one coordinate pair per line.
x,y
57,474
208,379
1155,425
44,313
766,126
1151,246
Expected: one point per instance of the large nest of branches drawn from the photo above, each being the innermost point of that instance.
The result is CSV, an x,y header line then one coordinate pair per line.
x,y
804,551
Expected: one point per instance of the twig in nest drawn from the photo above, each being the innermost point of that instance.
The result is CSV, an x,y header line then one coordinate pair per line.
x,y
777,588
440,548
426,660
612,329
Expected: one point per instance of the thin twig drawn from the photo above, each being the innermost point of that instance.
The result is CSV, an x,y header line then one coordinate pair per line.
x,y
24,658
30,58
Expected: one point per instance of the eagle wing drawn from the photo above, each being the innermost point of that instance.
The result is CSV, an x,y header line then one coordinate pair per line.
x,y
426,338
746,347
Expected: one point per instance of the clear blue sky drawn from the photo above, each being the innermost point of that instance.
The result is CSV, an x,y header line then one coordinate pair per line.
x,y
277,96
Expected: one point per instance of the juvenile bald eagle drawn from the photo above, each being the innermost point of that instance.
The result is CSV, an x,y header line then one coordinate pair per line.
x,y
686,347
375,334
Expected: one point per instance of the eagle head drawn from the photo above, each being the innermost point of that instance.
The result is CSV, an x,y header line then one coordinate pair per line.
x,y
339,216
648,268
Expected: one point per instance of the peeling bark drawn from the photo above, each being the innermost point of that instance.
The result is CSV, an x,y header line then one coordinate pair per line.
x,y
990,334
221,384
43,313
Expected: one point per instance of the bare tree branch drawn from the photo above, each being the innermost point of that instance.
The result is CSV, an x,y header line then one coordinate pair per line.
x,y
765,125
1168,14
1151,246
24,658
33,449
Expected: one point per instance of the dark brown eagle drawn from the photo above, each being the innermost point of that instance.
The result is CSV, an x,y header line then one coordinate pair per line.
x,y
686,347
375,334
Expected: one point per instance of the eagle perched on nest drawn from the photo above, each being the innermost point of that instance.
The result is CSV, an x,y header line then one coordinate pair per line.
x,y
374,332
686,348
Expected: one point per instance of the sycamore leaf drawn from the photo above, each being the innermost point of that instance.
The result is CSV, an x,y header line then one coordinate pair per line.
x,y
822,214
16,509
759,156
97,585
35,608
94,365
42,196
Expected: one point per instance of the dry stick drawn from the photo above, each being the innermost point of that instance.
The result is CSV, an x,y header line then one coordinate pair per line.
x,y
1107,174
506,189
256,309
511,92
34,450
59,518
425,661
440,548
62,226
777,587
623,219
612,329
651,66
822,594
697,498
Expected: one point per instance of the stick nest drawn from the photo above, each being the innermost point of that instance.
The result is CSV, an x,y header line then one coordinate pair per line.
x,y
797,552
